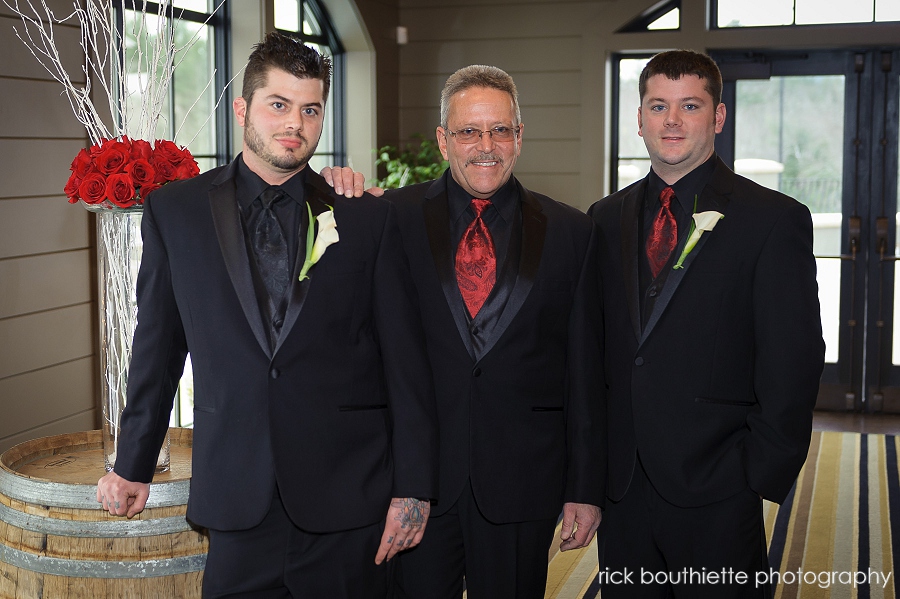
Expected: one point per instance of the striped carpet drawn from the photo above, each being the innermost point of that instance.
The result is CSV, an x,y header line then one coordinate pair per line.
x,y
834,527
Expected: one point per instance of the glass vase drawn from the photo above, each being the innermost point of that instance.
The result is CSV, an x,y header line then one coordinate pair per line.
x,y
119,249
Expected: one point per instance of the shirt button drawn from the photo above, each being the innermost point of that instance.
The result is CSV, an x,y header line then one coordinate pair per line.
x,y
639,361
476,372
274,373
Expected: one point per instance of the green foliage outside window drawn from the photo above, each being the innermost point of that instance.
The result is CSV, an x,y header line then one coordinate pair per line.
x,y
411,164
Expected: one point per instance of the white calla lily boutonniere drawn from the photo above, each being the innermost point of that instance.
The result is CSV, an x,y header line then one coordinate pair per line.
x,y
703,221
316,244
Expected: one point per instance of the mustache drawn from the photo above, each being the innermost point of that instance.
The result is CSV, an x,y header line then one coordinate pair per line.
x,y
485,158
290,136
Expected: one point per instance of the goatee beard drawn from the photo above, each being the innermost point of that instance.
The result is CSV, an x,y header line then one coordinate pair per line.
x,y
286,162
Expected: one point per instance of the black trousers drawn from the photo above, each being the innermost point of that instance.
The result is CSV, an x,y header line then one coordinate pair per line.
x,y
498,561
277,560
651,549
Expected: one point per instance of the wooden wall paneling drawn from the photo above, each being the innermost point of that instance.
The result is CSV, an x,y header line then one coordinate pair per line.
x,y
63,390
540,156
43,282
36,167
528,22
42,101
551,123
554,87
41,225
19,62
423,121
421,91
43,339
511,55
83,421
60,8
562,187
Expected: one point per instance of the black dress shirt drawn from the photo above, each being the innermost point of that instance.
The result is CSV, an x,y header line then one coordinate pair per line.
x,y
292,217
498,216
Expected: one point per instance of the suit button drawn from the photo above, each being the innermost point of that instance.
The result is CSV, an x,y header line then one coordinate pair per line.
x,y
639,361
475,330
653,292
277,323
274,373
476,372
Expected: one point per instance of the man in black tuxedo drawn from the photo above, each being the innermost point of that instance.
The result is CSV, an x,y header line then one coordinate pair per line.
x,y
507,284
314,408
713,351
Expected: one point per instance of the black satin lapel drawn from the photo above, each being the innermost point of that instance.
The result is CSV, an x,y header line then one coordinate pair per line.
x,y
227,221
299,289
631,204
437,225
534,232
708,201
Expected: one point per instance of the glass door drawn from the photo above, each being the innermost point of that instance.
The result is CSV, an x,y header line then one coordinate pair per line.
x,y
822,128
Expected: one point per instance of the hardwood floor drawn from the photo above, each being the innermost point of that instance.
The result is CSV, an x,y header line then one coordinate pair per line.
x,y
888,424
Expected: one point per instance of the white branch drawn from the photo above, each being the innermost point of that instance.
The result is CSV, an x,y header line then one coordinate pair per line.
x,y
133,68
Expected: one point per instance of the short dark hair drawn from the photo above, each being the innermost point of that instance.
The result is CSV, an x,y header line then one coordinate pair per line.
x,y
675,63
279,51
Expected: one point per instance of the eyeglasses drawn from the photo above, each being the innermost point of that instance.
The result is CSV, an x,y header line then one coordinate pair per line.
x,y
469,135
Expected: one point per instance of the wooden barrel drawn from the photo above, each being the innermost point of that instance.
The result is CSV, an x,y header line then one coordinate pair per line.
x,y
56,541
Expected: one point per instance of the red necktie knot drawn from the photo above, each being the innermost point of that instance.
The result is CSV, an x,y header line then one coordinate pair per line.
x,y
479,206
476,261
663,233
665,197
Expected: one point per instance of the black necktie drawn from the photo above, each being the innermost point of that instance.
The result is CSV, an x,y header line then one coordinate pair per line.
x,y
271,246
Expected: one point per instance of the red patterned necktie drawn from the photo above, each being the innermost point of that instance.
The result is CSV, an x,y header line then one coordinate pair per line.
x,y
476,262
663,234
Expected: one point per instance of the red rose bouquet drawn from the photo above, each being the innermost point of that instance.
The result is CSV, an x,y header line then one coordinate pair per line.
x,y
120,173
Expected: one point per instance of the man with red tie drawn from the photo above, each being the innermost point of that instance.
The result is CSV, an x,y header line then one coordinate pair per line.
x,y
714,352
507,285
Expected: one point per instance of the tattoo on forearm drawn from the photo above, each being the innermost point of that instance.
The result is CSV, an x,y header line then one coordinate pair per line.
x,y
413,512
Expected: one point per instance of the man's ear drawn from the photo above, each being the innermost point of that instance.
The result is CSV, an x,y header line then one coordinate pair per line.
x,y
442,141
240,110
720,117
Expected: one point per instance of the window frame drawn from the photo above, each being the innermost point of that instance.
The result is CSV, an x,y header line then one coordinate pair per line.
x,y
714,20
219,23
615,109
642,22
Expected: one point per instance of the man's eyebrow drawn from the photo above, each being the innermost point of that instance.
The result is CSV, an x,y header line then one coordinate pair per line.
x,y
686,99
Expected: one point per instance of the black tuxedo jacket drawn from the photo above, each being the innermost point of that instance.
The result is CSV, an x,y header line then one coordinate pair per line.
x,y
522,415
716,392
341,414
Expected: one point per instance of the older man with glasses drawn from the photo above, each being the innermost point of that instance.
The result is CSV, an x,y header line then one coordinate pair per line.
x,y
507,286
